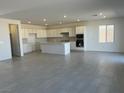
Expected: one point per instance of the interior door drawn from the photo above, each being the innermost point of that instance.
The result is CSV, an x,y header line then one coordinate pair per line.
x,y
14,38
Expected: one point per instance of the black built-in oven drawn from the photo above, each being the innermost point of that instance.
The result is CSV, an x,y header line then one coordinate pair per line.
x,y
80,36
80,40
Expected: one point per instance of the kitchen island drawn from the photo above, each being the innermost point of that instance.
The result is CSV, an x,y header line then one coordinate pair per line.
x,y
62,48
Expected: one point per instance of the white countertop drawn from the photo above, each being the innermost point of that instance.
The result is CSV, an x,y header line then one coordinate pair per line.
x,y
55,43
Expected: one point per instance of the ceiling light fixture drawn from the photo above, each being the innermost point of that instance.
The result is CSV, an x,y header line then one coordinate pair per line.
x,y
101,14
65,16
44,19
78,20
104,16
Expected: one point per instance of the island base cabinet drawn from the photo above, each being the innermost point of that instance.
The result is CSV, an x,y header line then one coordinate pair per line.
x,y
62,49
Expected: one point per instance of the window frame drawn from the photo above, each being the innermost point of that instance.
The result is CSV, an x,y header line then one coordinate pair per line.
x,y
106,34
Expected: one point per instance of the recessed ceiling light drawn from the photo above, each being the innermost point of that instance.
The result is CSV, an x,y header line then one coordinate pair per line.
x,y
78,20
104,16
44,19
29,22
65,16
101,14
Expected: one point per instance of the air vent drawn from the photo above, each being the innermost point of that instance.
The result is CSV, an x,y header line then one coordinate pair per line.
x,y
95,15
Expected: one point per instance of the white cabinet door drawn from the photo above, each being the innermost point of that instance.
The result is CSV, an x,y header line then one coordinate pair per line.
x,y
73,45
22,33
34,31
80,29
30,31
44,33
57,33
25,33
53,33
70,30
27,48
49,33
39,34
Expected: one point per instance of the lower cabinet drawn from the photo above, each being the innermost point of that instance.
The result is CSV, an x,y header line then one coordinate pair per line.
x,y
27,48
73,45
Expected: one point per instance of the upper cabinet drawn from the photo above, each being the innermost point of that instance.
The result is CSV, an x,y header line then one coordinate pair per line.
x,y
80,29
57,32
50,33
40,33
54,33
24,33
70,30
44,34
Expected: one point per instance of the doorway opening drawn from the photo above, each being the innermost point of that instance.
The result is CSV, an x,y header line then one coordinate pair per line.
x,y
14,40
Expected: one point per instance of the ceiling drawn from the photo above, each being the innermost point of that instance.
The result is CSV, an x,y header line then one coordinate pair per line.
x,y
54,10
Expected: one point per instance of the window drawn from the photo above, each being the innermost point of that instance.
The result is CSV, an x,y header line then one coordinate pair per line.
x,y
106,33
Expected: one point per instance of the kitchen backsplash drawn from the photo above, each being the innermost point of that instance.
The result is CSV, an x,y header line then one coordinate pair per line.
x,y
38,40
50,39
59,39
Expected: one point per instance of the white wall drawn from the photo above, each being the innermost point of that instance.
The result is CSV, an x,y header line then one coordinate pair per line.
x,y
5,47
92,36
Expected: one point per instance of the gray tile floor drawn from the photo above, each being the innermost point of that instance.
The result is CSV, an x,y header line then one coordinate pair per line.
x,y
79,72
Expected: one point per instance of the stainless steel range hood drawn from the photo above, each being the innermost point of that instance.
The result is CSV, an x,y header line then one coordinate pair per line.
x,y
64,33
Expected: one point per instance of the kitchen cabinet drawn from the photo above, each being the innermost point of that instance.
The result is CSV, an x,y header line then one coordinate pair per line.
x,y
27,48
39,34
24,33
43,33
80,29
73,45
49,33
70,30
53,33
57,32
31,31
